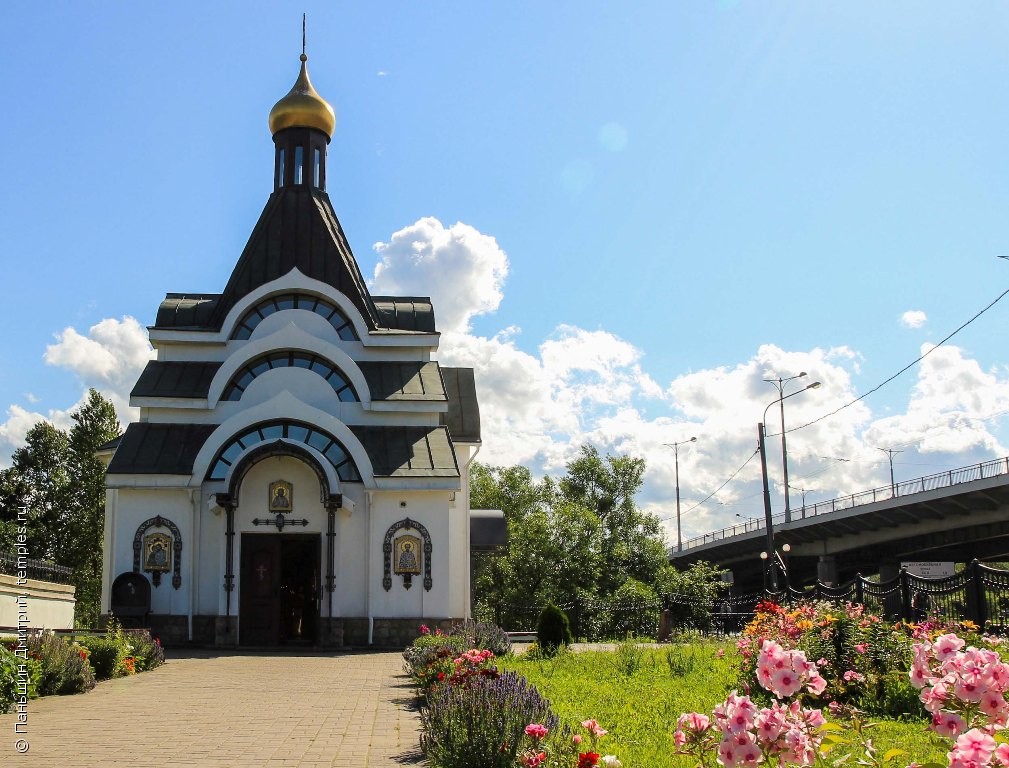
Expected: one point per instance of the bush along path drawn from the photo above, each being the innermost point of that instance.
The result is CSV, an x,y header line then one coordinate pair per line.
x,y
55,665
474,715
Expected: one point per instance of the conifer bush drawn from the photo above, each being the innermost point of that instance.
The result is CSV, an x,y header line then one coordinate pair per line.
x,y
553,630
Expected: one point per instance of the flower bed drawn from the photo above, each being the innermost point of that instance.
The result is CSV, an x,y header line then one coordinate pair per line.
x,y
474,715
963,687
56,665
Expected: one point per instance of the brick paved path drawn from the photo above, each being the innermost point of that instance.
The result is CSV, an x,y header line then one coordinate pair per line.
x,y
243,710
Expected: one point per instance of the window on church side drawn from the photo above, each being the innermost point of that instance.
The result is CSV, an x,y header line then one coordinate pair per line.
x,y
299,165
317,167
320,306
322,441
280,168
290,359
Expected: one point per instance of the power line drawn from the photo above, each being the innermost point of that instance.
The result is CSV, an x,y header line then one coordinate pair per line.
x,y
731,478
902,370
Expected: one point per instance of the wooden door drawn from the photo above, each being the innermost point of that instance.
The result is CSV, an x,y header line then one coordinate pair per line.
x,y
259,607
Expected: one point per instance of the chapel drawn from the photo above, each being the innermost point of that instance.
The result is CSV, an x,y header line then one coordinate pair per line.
x,y
299,472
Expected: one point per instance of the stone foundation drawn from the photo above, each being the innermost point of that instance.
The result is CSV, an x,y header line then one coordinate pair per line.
x,y
225,631
170,630
336,634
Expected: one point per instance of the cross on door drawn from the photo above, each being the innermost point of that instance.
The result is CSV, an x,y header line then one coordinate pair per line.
x,y
261,570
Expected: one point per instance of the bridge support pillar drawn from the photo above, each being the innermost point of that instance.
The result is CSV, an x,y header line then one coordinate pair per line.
x,y
826,570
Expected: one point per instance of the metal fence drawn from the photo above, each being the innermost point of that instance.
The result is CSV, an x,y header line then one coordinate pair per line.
x,y
41,570
947,479
979,593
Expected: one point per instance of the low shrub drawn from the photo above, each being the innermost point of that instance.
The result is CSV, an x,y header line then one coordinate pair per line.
x,y
65,666
147,650
482,723
106,655
428,660
8,679
553,630
487,636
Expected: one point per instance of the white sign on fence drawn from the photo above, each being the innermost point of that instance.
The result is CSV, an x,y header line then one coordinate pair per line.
x,y
929,570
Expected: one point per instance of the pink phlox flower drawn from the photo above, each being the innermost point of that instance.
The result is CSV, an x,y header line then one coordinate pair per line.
x,y
814,717
821,662
948,724
594,728
816,685
968,690
425,629
739,749
576,739
769,723
785,683
852,676
992,704
934,698
946,646
1002,755
920,675
861,647
738,718
974,746
536,730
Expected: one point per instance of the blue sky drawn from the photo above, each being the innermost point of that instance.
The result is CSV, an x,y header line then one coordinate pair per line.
x,y
649,205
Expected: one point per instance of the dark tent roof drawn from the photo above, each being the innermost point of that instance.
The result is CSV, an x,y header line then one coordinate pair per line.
x,y
171,449
298,228
159,449
175,379
463,417
387,380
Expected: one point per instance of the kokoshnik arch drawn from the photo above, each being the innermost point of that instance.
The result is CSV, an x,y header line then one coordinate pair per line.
x,y
294,431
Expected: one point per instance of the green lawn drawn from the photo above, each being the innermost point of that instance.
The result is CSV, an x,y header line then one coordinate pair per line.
x,y
637,694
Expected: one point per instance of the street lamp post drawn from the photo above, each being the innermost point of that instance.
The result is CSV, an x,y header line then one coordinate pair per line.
x,y
761,434
893,485
676,458
780,384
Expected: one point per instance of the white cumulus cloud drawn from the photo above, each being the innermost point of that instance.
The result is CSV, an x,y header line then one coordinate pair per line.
x,y
913,318
109,358
461,269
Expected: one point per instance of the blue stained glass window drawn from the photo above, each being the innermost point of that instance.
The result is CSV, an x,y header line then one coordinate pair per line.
x,y
323,442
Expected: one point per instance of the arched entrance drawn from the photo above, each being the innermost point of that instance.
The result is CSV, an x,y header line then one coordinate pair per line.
x,y
283,509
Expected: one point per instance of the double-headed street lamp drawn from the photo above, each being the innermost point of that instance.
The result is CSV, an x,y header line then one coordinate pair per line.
x,y
676,454
761,434
780,384
774,561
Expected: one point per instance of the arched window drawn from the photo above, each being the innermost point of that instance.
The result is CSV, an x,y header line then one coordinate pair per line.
x,y
317,168
280,168
290,359
293,431
322,307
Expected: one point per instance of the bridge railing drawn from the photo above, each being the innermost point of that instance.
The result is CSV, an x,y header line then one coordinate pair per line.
x,y
947,479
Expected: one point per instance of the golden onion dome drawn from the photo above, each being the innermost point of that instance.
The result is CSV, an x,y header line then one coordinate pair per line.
x,y
303,107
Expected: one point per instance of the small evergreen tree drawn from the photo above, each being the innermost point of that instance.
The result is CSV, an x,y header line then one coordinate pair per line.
x,y
553,630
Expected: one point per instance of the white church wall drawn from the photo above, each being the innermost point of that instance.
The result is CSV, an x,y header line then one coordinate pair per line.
x,y
351,553
211,598
134,506
429,508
